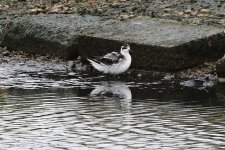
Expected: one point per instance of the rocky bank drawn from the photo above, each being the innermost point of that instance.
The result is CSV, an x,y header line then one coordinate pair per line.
x,y
165,35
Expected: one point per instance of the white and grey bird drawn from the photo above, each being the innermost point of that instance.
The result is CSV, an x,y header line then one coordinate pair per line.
x,y
113,63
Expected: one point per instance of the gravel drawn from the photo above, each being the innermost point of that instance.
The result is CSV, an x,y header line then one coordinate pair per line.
x,y
208,12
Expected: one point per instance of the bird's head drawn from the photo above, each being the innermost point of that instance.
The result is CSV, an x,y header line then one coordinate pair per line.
x,y
125,48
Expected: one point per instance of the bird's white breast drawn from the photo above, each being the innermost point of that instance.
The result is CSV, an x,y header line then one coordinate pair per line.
x,y
121,66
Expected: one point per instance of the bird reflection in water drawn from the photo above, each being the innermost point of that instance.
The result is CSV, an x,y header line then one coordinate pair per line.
x,y
114,91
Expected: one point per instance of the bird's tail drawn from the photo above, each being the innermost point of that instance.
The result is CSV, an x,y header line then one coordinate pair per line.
x,y
98,66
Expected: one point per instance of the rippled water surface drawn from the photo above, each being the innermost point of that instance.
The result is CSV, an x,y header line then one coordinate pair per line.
x,y
47,107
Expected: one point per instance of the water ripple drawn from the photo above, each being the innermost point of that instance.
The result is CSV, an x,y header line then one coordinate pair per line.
x,y
64,121
45,107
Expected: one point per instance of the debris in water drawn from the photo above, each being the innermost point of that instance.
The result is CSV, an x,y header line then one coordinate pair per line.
x,y
201,83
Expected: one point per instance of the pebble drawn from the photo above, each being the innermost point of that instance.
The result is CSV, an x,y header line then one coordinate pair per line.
x,y
115,4
222,21
202,15
221,14
138,1
5,53
167,10
194,13
124,17
166,15
54,10
188,11
206,11
221,80
4,7
139,75
180,13
35,10
168,77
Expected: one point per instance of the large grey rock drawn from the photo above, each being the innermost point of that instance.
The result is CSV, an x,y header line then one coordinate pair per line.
x,y
157,45
1,35
48,34
220,67
2,25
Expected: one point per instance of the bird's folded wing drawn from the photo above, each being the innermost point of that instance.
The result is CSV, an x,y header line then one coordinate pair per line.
x,y
111,58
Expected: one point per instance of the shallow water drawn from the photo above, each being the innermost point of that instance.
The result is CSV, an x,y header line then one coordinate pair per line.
x,y
45,106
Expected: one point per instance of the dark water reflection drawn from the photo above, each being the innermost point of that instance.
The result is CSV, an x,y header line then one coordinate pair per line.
x,y
69,111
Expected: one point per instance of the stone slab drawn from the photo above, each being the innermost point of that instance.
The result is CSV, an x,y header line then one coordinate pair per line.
x,y
1,36
220,67
157,44
2,25
47,34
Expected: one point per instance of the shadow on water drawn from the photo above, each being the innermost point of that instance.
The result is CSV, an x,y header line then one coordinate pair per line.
x,y
117,92
104,88
112,90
